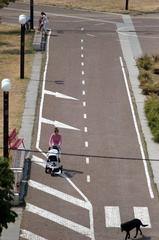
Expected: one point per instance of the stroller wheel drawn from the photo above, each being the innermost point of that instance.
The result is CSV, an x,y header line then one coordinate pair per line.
x,y
46,170
52,173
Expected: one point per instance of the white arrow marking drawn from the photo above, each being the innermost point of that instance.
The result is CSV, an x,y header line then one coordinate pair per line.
x,y
60,220
59,194
30,236
59,95
58,124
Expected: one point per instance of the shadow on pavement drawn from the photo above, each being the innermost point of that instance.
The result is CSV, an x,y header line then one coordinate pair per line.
x,y
71,173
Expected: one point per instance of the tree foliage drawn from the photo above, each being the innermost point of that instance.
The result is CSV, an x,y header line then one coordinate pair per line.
x,y
4,3
6,194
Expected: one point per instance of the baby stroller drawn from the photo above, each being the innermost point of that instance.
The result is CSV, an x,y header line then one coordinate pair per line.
x,y
53,165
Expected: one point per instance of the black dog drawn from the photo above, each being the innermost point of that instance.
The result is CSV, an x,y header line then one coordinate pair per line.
x,y
128,226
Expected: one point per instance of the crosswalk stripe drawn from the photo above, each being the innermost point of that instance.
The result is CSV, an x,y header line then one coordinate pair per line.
x,y
59,194
143,214
60,220
30,236
112,216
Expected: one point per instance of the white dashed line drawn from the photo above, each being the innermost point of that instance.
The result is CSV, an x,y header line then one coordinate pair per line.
x,y
83,82
81,47
84,104
87,160
83,92
85,129
88,178
82,72
82,29
82,63
86,144
112,216
81,40
82,56
85,115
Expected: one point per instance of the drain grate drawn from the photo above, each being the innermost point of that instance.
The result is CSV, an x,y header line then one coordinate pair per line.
x,y
59,81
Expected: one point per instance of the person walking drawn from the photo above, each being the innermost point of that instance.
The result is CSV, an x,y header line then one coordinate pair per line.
x,y
55,139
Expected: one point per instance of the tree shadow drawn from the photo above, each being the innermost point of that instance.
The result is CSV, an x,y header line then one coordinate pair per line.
x,y
71,173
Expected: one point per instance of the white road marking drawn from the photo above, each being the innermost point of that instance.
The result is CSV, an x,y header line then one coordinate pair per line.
x,y
90,210
42,94
85,115
59,194
82,72
88,178
82,63
82,56
143,214
58,124
59,95
82,29
84,104
82,41
41,162
86,144
81,47
85,129
30,236
91,35
137,131
112,216
60,220
87,160
83,82
83,92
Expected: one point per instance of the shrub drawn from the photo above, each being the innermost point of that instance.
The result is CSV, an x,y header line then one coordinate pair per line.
x,y
145,62
152,113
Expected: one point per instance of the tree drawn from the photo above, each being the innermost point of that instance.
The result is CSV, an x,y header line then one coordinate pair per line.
x,y
4,3
6,194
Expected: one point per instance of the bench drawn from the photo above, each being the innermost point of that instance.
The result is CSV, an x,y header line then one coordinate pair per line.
x,y
13,141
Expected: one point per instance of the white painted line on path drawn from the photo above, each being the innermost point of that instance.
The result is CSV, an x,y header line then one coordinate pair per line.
x,y
83,82
42,94
91,208
83,92
91,35
82,41
60,220
112,216
81,47
58,124
88,178
82,63
30,236
84,115
59,194
137,131
82,56
86,144
87,160
84,104
85,129
82,29
59,95
143,214
82,72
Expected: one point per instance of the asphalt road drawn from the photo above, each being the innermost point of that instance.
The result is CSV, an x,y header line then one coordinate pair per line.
x,y
84,93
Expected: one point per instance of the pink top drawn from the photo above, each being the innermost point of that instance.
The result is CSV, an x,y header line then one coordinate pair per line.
x,y
55,139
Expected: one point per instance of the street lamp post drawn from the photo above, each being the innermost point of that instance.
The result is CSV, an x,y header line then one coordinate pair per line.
x,y
22,21
32,14
126,5
5,86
